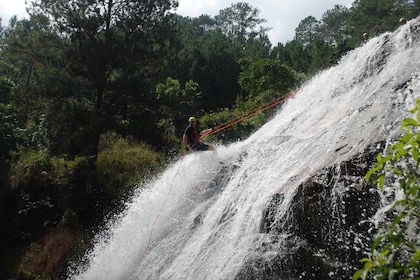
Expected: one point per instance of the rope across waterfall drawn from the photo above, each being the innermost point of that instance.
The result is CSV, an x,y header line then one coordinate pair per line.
x,y
249,114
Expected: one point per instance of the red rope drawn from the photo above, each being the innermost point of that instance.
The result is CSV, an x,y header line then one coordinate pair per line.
x,y
156,219
249,114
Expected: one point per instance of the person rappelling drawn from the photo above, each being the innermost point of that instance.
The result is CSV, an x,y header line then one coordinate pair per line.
x,y
402,21
365,38
191,137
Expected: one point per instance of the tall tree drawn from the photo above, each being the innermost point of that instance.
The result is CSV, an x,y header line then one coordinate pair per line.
x,y
207,56
218,71
297,56
109,49
102,34
268,75
333,24
254,49
321,55
240,20
307,30
205,23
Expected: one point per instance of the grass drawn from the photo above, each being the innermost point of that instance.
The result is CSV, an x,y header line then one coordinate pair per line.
x,y
49,256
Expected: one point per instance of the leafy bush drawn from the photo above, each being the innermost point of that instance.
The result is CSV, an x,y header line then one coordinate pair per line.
x,y
58,196
47,188
123,162
396,248
268,75
57,190
30,168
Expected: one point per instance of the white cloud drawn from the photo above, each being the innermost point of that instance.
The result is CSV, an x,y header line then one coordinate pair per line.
x,y
9,8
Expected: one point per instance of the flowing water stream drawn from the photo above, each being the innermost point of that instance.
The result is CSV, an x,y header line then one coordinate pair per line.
x,y
201,218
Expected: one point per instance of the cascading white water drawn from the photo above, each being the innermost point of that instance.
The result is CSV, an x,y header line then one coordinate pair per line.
x,y
200,219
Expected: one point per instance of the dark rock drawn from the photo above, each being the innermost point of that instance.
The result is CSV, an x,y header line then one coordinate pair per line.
x,y
327,228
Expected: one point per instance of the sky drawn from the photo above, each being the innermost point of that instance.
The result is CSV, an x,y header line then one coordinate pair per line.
x,y
282,16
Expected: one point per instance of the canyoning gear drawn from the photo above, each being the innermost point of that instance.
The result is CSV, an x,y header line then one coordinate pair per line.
x,y
191,140
365,38
192,136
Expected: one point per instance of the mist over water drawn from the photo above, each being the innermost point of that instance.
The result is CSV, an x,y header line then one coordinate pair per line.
x,y
201,218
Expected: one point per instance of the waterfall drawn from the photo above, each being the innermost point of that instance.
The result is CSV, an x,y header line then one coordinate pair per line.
x,y
201,218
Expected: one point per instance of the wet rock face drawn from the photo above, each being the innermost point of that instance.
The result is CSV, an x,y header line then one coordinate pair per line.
x,y
327,228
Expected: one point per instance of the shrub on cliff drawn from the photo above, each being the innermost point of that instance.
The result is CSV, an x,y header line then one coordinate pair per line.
x,y
395,252
58,197
123,162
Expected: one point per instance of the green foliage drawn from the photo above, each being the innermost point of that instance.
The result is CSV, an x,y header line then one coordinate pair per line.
x,y
31,169
237,131
210,59
104,37
396,248
124,163
215,118
297,56
240,21
69,219
333,25
317,44
72,193
9,123
307,30
171,119
171,93
6,86
321,55
268,75
254,49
